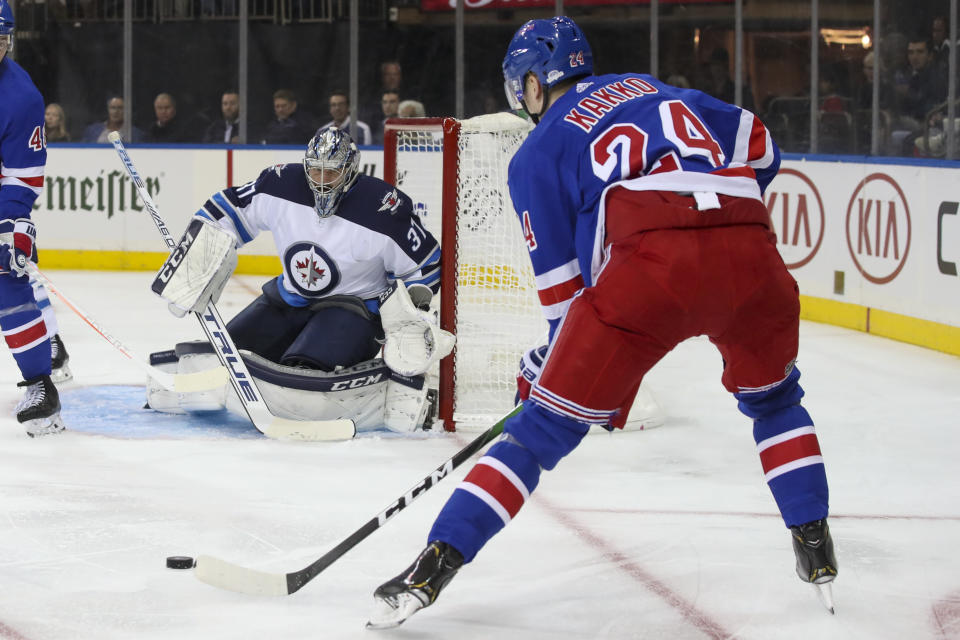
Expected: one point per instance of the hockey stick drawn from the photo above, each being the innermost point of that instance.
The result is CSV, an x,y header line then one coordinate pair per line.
x,y
232,577
179,382
239,376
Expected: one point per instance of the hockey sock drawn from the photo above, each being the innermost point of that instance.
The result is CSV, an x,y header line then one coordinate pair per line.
x,y
789,450
26,336
488,498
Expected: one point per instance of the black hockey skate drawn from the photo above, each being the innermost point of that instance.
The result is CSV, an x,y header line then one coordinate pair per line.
x,y
816,561
39,411
58,361
415,588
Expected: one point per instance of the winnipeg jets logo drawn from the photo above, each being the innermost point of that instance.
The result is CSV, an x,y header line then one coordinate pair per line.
x,y
277,168
310,270
391,202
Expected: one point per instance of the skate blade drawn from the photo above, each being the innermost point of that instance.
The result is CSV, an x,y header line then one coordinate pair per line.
x,y
40,427
61,375
387,615
825,593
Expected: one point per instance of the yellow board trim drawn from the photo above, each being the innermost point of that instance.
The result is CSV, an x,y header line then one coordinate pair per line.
x,y
924,333
140,261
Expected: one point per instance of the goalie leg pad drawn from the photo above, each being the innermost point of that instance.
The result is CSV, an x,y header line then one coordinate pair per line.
x,y
195,274
357,393
407,404
160,399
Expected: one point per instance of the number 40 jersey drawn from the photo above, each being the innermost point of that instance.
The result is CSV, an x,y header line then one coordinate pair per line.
x,y
635,132
23,152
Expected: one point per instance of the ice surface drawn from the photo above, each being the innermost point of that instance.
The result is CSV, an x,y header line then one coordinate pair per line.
x,y
668,533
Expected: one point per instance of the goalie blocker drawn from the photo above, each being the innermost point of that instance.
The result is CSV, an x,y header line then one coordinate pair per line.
x,y
369,393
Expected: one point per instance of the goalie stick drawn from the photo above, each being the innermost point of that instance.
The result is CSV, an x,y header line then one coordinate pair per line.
x,y
215,330
177,382
232,577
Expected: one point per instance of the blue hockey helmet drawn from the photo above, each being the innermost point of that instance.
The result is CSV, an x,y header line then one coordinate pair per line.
x,y
332,164
6,18
555,49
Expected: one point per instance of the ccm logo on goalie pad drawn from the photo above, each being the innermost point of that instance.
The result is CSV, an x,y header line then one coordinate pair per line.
x,y
356,383
404,500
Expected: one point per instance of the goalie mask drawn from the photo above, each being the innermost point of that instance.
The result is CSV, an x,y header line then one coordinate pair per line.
x,y
331,164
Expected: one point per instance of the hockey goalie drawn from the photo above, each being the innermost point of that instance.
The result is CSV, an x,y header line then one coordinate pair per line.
x,y
359,272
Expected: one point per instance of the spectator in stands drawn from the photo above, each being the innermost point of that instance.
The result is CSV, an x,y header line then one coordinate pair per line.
x,y
411,109
226,129
865,92
391,76
291,125
389,105
831,99
925,87
940,42
98,131
391,79
55,124
168,126
340,112
720,84
916,93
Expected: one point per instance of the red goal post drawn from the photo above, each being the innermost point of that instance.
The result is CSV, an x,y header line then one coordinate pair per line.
x,y
455,171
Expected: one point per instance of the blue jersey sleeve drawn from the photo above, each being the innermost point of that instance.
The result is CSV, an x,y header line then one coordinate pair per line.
x,y
23,152
547,202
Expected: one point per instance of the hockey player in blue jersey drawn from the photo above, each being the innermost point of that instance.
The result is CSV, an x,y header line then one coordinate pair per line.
x,y
641,206
26,326
358,269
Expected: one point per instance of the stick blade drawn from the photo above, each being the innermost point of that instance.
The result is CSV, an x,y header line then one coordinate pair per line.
x,y
232,577
308,430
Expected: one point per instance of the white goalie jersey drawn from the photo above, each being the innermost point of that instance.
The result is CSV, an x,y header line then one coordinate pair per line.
x,y
373,239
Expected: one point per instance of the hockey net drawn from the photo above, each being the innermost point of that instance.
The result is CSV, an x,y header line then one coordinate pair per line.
x,y
456,173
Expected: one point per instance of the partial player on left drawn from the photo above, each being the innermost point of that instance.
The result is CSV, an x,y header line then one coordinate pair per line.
x,y
26,317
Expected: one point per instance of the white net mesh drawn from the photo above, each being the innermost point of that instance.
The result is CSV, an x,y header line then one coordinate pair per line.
x,y
497,310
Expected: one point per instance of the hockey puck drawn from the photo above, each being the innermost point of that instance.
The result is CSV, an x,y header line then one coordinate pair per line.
x,y
180,562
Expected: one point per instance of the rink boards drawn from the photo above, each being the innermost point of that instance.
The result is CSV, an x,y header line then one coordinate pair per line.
x,y
874,246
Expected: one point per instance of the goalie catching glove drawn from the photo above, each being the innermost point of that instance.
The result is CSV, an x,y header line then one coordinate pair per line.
x,y
413,339
198,269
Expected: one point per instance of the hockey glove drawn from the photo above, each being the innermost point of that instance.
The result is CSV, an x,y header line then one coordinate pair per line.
x,y
17,255
530,365
413,339
198,269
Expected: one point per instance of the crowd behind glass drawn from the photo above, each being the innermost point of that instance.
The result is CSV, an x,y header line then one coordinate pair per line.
x,y
405,73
